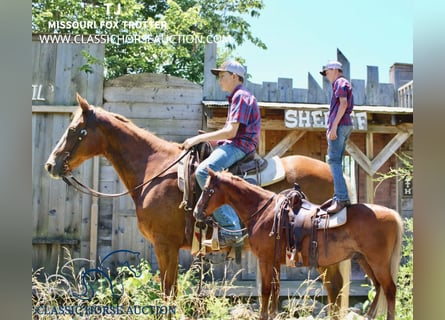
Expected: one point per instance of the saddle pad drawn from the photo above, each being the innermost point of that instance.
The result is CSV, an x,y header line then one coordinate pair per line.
x,y
332,221
273,173
181,178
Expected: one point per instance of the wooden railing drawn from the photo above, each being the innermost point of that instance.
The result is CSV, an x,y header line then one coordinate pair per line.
x,y
406,95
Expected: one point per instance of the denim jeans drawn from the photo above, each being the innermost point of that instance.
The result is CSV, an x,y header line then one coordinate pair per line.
x,y
222,158
336,149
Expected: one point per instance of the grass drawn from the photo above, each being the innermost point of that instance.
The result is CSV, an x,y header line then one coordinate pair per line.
x,y
135,293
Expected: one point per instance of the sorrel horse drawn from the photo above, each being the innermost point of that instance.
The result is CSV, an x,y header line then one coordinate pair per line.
x,y
372,234
137,155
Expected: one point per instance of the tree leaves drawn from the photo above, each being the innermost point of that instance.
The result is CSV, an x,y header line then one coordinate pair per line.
x,y
167,36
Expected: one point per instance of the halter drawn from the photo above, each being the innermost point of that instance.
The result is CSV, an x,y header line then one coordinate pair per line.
x,y
79,186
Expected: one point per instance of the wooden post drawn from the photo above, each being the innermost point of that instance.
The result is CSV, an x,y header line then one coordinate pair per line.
x,y
209,87
94,220
370,155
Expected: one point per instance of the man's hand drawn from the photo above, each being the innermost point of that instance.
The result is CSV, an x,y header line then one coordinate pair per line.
x,y
331,134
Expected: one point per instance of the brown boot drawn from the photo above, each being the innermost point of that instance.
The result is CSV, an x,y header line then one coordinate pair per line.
x,y
337,205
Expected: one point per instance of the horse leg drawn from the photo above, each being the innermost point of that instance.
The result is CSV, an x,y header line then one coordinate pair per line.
x,y
333,283
370,273
266,270
275,291
167,256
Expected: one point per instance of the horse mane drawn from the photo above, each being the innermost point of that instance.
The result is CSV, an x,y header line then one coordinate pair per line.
x,y
227,174
127,121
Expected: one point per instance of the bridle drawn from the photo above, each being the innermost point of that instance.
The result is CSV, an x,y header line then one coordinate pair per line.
x,y
81,134
79,186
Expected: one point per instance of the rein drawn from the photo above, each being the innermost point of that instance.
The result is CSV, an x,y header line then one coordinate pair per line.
x,y
79,186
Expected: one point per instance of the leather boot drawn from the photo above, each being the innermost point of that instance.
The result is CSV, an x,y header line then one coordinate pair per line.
x,y
337,205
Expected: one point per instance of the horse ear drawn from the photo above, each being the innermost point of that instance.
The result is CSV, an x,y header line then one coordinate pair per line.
x,y
83,103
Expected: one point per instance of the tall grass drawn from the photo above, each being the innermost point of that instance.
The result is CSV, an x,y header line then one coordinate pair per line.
x,y
66,295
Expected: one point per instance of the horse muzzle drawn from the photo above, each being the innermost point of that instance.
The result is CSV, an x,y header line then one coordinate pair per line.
x,y
199,214
56,169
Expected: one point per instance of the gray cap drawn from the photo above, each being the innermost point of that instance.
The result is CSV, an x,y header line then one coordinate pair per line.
x,y
230,66
333,64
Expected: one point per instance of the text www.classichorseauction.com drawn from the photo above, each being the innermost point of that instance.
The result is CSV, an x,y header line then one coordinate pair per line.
x,y
138,32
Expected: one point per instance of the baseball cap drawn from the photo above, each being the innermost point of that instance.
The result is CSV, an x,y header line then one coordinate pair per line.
x,y
230,66
333,64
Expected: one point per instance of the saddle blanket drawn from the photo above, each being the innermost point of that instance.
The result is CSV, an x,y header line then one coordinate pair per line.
x,y
332,220
273,173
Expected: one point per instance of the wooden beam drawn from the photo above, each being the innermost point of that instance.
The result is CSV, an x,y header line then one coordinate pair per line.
x,y
262,145
278,124
370,155
54,109
359,156
288,141
389,150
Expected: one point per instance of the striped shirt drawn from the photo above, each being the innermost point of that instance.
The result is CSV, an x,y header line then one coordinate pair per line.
x,y
341,88
243,108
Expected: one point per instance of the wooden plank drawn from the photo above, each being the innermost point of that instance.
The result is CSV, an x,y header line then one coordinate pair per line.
x,y
53,109
315,93
161,127
152,81
372,86
62,241
95,80
210,84
152,95
284,90
287,142
269,92
314,106
156,110
358,89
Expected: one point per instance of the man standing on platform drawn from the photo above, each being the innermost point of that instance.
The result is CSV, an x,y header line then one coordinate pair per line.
x,y
338,131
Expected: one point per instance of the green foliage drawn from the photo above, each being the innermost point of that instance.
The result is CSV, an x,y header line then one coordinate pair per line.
x,y
404,298
173,35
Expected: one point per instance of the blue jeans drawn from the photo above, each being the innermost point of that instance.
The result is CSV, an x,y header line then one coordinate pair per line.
x,y
222,158
336,149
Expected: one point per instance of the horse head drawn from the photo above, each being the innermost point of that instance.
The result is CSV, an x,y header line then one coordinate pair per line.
x,y
210,198
78,143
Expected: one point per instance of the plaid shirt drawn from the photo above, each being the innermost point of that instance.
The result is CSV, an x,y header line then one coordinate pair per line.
x,y
341,88
244,109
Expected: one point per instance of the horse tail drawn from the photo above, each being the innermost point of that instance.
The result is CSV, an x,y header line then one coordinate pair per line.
x,y
397,249
396,255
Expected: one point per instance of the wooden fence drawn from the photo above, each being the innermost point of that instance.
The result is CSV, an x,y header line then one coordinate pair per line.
x,y
61,216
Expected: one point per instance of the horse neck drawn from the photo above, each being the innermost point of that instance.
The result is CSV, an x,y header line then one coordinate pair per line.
x,y
134,152
246,199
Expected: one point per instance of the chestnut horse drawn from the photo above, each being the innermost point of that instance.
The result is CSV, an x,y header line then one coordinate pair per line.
x,y
137,155
372,234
